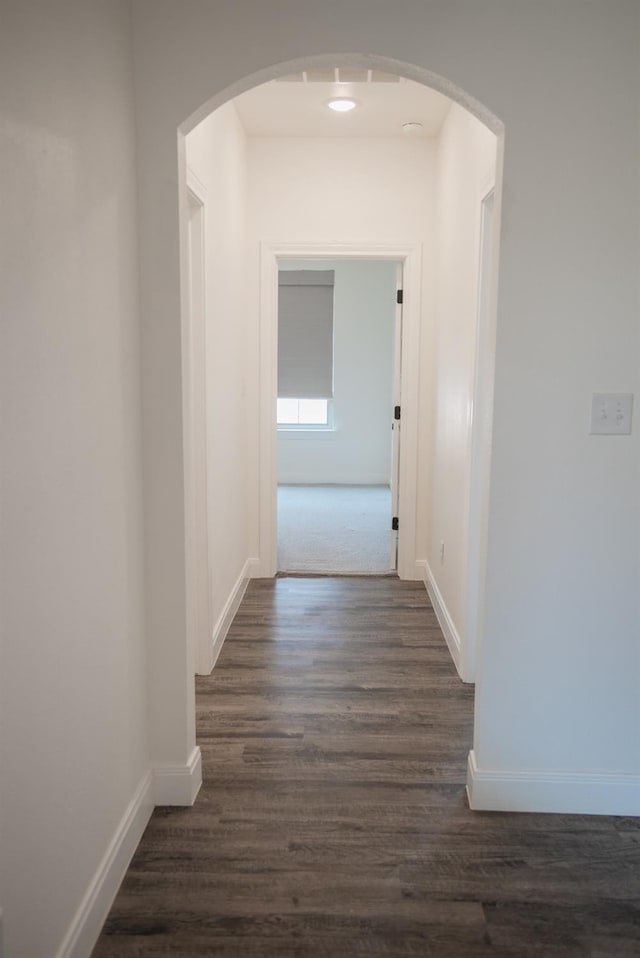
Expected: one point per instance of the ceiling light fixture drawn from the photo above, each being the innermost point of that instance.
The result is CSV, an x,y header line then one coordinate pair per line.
x,y
342,104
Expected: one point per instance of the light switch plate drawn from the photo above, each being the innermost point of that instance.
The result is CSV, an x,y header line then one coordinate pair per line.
x,y
611,414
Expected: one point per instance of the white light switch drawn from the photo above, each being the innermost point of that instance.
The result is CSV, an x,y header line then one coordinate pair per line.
x,y
611,414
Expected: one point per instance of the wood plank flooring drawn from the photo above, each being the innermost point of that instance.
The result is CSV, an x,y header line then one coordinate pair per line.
x,y
333,821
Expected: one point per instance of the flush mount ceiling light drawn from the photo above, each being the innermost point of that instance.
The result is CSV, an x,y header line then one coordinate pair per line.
x,y
341,104
411,128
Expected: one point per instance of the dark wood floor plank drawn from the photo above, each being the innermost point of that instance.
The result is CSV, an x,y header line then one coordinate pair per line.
x,y
333,819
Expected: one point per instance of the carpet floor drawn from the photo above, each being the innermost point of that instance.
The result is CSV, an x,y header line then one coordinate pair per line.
x,y
334,529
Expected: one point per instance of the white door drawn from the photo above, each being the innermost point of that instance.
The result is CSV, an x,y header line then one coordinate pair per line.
x,y
396,420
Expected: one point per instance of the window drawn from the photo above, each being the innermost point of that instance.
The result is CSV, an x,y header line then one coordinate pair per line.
x,y
303,412
305,346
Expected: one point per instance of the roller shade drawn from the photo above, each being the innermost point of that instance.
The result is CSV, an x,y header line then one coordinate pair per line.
x,y
305,334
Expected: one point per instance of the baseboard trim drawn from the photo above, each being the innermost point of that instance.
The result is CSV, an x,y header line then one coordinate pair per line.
x,y
178,784
262,568
94,908
581,793
442,614
310,479
227,615
258,569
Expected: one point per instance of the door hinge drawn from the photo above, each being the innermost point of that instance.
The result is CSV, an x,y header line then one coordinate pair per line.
x,y
396,413
395,525
400,297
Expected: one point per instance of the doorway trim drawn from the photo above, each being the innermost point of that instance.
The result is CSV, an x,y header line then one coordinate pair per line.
x,y
410,255
477,499
194,303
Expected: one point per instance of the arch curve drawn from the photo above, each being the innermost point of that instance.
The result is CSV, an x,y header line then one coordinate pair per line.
x,y
354,60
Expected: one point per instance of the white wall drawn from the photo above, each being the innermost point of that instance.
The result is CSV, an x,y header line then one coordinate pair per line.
x,y
357,450
563,560
73,727
367,192
466,160
216,153
340,190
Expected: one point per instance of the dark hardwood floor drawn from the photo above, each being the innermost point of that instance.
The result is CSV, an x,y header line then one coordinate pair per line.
x,y
333,821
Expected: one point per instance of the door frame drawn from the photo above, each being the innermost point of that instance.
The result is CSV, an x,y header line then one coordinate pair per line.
x,y
194,335
396,425
477,497
410,255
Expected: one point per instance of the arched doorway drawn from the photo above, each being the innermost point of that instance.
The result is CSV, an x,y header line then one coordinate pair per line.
x,y
484,377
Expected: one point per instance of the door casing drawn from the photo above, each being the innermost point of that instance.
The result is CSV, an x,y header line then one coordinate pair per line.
x,y
410,255
396,424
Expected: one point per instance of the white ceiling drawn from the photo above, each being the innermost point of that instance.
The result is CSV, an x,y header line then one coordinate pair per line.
x,y
296,106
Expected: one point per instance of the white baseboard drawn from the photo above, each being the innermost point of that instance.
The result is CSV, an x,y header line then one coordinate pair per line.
x,y
311,479
258,569
178,784
94,908
442,614
226,617
582,793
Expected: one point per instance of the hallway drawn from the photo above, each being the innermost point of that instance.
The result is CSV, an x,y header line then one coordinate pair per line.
x,y
333,820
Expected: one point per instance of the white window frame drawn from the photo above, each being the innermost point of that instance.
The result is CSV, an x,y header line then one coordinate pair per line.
x,y
309,428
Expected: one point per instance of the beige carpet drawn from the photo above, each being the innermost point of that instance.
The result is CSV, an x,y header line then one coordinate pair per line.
x,y
325,529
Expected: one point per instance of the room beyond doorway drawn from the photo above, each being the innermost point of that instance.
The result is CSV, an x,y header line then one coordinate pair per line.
x,y
339,328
